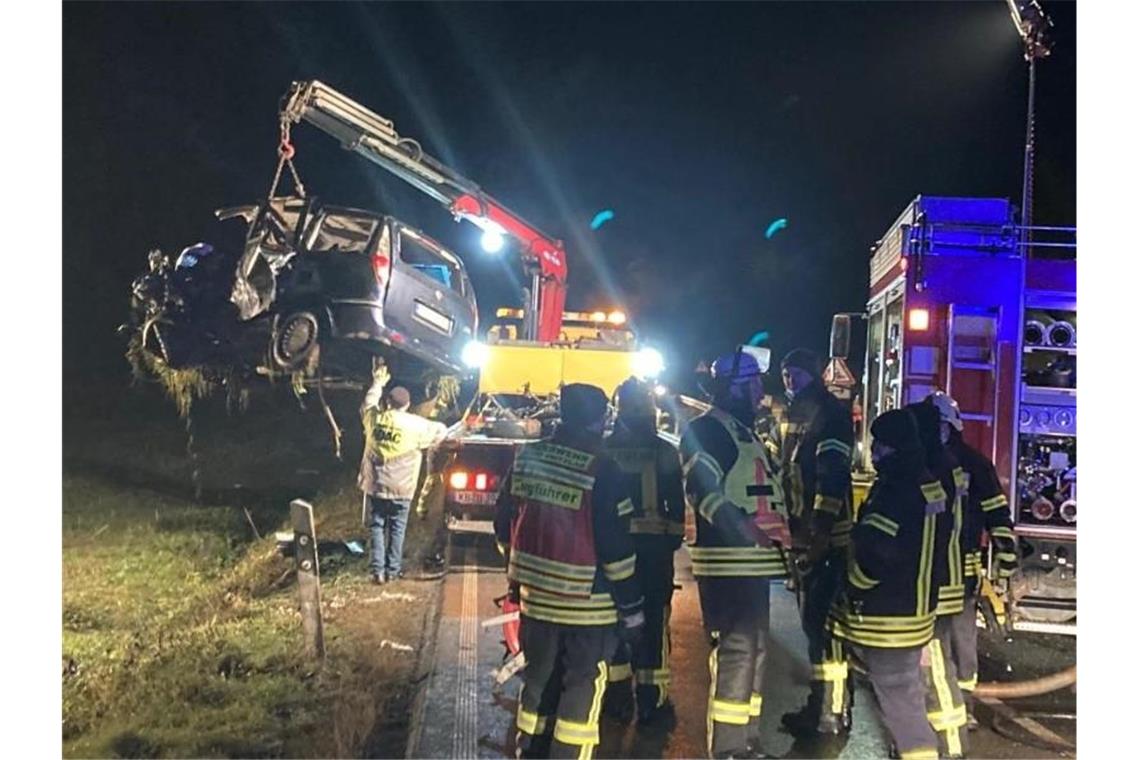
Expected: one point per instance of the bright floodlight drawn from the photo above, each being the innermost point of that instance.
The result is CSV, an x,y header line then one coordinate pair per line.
x,y
648,362
492,240
475,354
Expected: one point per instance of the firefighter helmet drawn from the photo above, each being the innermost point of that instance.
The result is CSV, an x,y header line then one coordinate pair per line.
x,y
635,399
743,364
947,409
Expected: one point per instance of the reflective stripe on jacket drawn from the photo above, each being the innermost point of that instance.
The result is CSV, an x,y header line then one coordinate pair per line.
x,y
887,599
726,468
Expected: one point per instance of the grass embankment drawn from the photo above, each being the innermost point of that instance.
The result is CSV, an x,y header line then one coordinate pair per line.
x,y
181,634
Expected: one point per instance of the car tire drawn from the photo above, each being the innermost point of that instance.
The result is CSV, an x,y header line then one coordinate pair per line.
x,y
295,339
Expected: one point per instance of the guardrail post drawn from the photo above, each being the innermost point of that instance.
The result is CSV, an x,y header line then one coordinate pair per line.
x,y
308,577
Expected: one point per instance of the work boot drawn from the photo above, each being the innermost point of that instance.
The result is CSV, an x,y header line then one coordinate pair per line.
x,y
652,715
971,720
755,748
618,702
810,721
379,579
750,752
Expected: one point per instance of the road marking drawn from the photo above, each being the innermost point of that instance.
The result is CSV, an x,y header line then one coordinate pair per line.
x,y
464,739
1028,724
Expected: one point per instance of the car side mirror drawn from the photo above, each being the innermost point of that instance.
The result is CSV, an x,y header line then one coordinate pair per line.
x,y
840,336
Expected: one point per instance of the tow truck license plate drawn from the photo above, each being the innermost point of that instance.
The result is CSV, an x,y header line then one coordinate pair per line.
x,y
480,498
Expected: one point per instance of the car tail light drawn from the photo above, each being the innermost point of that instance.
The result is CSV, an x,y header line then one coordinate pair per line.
x,y
481,481
380,264
458,480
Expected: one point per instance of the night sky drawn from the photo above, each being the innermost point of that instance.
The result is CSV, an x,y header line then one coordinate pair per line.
x,y
698,124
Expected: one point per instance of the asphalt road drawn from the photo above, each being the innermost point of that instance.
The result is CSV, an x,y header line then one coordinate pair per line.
x,y
463,714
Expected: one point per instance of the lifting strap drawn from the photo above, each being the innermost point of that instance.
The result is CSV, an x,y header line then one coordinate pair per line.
x,y
285,153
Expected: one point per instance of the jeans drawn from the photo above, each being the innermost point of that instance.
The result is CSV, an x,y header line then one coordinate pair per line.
x,y
389,522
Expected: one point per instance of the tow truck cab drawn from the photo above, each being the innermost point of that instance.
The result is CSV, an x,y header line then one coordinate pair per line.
x,y
517,401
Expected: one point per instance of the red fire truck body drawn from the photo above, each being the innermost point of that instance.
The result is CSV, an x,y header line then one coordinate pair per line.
x,y
958,302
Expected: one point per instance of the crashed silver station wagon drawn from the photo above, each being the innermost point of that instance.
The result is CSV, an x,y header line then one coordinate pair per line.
x,y
312,281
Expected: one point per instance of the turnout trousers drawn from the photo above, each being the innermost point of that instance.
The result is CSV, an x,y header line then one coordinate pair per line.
x,y
563,685
897,683
945,707
963,645
646,665
735,613
830,689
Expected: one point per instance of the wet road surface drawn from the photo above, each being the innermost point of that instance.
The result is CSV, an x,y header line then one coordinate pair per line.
x,y
465,716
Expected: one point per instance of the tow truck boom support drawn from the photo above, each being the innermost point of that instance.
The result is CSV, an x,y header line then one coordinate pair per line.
x,y
375,138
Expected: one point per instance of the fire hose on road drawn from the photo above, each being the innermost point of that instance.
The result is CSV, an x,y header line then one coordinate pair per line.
x,y
1031,688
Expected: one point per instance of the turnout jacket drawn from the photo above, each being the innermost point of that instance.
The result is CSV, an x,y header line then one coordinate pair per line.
x,y
949,564
986,509
651,476
815,464
729,480
887,596
563,524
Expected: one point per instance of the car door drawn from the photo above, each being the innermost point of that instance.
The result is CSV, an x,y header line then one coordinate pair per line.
x,y
429,299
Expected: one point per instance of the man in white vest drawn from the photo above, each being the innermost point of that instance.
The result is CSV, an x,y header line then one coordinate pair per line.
x,y
394,441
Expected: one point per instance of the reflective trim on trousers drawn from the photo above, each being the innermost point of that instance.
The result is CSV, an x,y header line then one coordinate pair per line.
x,y
922,753
532,723
620,672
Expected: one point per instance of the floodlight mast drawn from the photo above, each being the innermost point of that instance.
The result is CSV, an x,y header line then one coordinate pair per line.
x,y
1033,26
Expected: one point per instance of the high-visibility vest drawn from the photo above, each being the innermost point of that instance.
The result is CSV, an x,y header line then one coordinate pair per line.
x,y
553,558
751,485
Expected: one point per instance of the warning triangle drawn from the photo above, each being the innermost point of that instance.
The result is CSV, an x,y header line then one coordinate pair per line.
x,y
838,374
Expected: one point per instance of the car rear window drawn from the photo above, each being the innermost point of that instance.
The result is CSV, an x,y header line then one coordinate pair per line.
x,y
438,266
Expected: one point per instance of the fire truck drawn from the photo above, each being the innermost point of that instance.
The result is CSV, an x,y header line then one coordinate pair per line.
x,y
964,300
528,353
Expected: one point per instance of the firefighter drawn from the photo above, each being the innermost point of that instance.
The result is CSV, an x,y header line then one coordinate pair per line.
x,y
884,611
946,708
738,506
815,464
394,440
564,526
986,510
651,469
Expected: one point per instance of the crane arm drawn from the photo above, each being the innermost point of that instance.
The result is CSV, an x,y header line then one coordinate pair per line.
x,y
375,138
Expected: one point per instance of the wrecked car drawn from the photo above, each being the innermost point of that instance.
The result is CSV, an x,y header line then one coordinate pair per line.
x,y
314,283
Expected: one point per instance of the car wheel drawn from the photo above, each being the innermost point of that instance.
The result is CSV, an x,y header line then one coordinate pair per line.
x,y
295,339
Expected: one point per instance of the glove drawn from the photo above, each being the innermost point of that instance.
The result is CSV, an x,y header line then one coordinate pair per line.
x,y
818,544
631,627
380,378
381,375
753,532
1005,552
